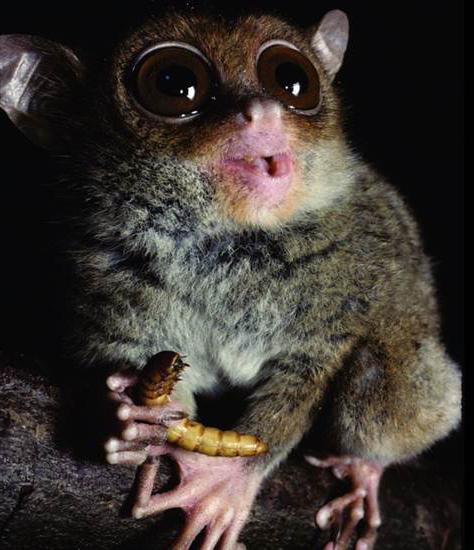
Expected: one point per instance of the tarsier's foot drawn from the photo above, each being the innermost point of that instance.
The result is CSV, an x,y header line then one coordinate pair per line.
x,y
361,503
215,493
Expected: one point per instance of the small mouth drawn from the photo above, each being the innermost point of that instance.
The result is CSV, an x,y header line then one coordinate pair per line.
x,y
273,167
266,179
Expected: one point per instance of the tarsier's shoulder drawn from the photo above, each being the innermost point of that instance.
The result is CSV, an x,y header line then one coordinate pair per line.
x,y
376,203
376,240
371,189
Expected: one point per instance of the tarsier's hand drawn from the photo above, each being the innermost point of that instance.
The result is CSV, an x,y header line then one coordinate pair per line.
x,y
141,431
215,493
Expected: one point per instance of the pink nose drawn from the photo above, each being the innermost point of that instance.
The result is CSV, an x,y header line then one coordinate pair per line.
x,y
262,111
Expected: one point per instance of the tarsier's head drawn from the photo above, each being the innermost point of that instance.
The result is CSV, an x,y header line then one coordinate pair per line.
x,y
238,117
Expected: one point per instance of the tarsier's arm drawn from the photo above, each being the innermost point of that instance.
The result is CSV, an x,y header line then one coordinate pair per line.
x,y
290,395
217,493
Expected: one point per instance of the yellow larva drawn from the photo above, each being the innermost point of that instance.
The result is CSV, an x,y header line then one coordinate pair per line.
x,y
156,383
158,378
195,437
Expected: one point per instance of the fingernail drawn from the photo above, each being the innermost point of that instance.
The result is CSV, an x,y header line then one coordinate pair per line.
x,y
137,513
123,412
111,445
112,458
375,522
173,416
322,519
130,433
112,383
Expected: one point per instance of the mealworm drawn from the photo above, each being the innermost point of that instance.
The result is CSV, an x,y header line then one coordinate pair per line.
x,y
155,385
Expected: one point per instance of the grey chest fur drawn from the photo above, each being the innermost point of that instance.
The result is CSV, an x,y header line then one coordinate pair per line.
x,y
232,304
225,317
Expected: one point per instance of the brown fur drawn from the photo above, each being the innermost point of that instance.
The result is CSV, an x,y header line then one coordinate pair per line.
x,y
330,304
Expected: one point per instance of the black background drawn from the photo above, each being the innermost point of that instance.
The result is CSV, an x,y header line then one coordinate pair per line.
x,y
402,92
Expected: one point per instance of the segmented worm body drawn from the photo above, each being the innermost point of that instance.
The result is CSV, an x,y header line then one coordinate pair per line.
x,y
158,378
156,383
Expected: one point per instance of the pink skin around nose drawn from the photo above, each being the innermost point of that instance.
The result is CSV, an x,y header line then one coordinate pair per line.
x,y
258,156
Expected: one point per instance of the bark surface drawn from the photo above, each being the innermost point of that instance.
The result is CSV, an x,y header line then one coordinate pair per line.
x,y
57,497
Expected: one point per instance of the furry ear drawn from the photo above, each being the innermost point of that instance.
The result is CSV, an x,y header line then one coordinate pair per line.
x,y
39,80
329,40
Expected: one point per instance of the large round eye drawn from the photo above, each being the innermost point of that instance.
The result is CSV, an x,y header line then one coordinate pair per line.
x,y
172,81
288,75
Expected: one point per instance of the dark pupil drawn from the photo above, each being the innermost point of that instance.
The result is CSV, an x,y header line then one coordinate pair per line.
x,y
178,81
292,78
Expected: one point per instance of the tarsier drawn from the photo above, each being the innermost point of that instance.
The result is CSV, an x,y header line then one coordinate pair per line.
x,y
220,212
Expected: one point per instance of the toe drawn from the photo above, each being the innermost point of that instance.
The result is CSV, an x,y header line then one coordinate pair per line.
x,y
229,539
325,516
350,524
144,482
216,529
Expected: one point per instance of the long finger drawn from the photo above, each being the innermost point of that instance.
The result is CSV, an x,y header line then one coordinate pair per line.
x,y
134,458
151,433
154,415
325,516
124,432
114,445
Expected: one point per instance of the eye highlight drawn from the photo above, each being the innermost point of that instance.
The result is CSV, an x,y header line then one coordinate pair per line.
x,y
288,75
173,81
